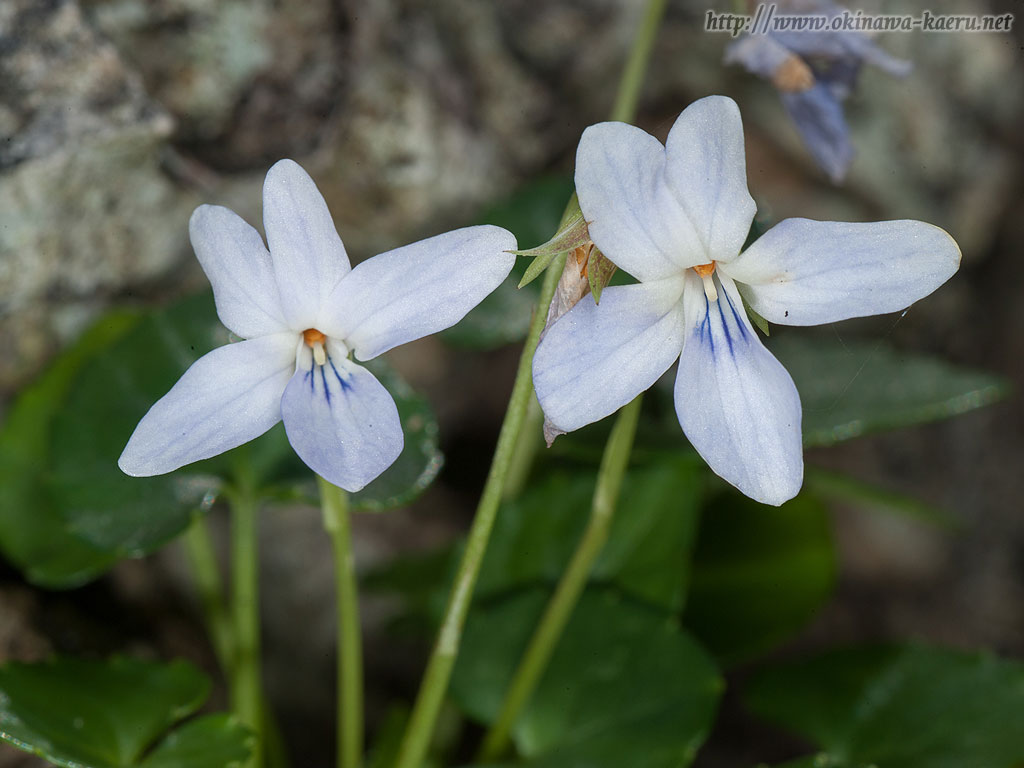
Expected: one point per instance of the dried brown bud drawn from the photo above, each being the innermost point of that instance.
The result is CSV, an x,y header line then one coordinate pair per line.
x,y
793,75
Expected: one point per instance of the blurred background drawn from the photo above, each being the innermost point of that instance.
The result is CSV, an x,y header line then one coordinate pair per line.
x,y
118,117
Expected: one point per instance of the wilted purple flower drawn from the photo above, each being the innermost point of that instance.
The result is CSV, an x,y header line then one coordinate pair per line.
x,y
814,72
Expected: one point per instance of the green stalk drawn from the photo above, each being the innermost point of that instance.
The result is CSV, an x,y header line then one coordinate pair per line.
x,y
446,646
571,586
529,442
206,575
609,480
246,690
636,65
203,561
624,110
442,659
334,504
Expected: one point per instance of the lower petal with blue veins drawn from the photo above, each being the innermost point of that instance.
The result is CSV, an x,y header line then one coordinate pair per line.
x,y
736,403
341,421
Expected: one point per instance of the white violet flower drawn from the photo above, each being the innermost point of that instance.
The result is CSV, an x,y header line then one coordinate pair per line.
x,y
301,309
676,217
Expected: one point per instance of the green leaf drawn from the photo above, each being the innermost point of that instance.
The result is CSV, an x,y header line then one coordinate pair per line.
x,y
625,685
112,392
853,388
213,741
913,707
759,573
96,714
33,534
835,485
531,214
647,552
646,555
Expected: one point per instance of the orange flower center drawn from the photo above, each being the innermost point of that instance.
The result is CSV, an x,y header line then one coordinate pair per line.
x,y
312,337
705,271
315,339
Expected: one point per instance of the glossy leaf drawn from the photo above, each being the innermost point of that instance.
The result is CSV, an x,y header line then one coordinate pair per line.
x,y
625,686
532,213
759,573
914,707
853,388
95,714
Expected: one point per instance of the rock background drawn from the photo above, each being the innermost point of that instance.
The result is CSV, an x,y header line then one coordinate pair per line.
x,y
117,117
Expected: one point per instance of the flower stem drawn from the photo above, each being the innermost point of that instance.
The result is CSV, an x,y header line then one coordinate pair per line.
x,y
442,657
246,687
609,480
636,65
199,549
624,109
571,585
206,575
529,441
334,503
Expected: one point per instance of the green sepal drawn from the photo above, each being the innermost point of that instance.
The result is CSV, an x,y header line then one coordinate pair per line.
x,y
536,268
599,272
572,233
